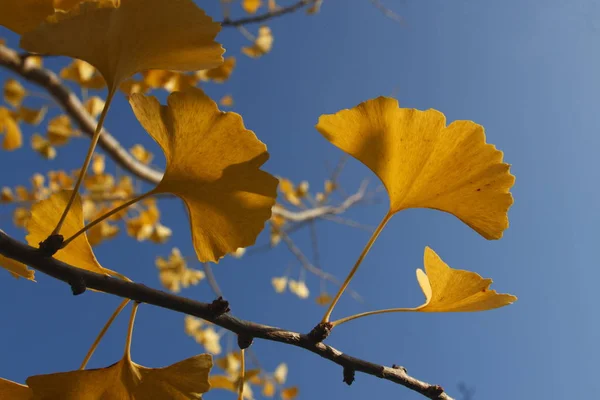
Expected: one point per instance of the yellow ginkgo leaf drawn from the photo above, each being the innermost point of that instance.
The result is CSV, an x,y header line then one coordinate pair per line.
x,y
84,74
66,5
14,92
251,6
262,44
60,130
18,270
447,289
299,288
141,154
425,164
184,380
268,389
280,374
94,106
213,164
134,36
45,215
323,299
43,146
226,101
289,393
13,139
21,16
279,283
219,74
14,391
31,115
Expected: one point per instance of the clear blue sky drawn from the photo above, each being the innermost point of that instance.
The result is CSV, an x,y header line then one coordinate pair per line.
x,y
526,70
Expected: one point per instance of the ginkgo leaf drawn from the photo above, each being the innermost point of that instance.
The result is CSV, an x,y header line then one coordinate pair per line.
x,y
226,101
219,74
262,44
447,289
425,164
45,215
280,374
134,36
13,138
31,115
21,16
14,92
43,146
16,269
66,5
213,165
251,6
14,391
289,393
184,380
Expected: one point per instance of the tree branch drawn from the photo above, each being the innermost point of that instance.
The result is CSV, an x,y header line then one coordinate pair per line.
x,y
71,104
81,279
266,16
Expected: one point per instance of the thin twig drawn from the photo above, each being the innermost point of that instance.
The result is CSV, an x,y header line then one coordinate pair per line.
x,y
307,265
268,15
33,257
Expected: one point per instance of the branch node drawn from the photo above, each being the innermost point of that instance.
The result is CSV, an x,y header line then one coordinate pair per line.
x,y
434,390
395,366
51,245
320,332
244,341
219,307
349,375
77,285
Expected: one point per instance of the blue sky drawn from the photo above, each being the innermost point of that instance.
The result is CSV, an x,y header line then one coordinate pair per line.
x,y
526,70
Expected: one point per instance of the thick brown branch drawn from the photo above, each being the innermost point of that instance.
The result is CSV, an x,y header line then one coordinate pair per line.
x,y
11,248
69,102
266,16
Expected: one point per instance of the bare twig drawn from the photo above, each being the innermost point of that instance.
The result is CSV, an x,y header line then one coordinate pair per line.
x,y
268,15
387,12
82,279
307,265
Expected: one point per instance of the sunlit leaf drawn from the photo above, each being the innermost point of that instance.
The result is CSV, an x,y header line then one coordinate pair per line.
x,y
31,115
21,16
60,130
447,289
299,288
136,36
18,270
424,163
14,391
45,215
323,299
279,283
14,92
13,139
141,154
289,393
43,146
280,374
251,6
184,380
226,101
262,45
174,272
213,165
94,106
219,74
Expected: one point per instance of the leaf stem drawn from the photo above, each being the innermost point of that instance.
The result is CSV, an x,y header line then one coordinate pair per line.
x,y
127,355
88,159
107,215
356,265
242,375
366,314
103,332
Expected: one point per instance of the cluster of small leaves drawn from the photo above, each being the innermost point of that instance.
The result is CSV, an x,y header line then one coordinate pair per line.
x,y
213,165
